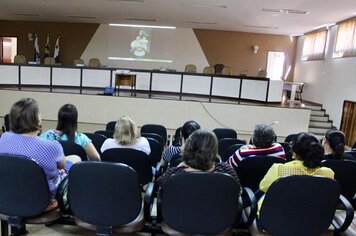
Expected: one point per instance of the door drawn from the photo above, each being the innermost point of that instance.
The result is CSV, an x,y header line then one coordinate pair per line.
x,y
8,49
275,65
348,122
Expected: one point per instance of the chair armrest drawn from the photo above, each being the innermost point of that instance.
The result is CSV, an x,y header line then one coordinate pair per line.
x,y
248,217
349,215
158,170
148,201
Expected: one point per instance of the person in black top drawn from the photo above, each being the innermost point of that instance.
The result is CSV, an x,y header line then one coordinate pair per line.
x,y
334,146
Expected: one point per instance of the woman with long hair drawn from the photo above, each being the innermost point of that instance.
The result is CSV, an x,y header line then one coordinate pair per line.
x,y
334,146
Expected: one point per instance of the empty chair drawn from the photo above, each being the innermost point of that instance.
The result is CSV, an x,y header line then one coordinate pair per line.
x,y
218,68
262,74
156,151
299,91
225,133
78,62
136,159
225,143
156,137
97,140
20,59
156,129
110,126
106,133
209,70
188,211
190,68
94,62
227,70
71,148
49,61
286,210
24,194
106,197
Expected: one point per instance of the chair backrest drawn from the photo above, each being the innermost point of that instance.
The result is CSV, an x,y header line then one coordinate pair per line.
x,y
299,205
71,148
110,125
175,160
209,70
262,74
94,62
230,151
24,188
227,70
287,150
225,143
300,87
49,61
345,174
191,212
156,137
97,140
136,159
106,133
78,61
104,194
156,151
20,59
251,170
190,68
290,138
225,133
7,122
156,129
218,68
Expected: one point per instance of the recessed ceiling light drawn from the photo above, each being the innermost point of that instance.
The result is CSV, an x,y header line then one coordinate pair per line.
x,y
82,17
202,5
26,14
201,23
140,19
296,35
261,26
286,11
144,26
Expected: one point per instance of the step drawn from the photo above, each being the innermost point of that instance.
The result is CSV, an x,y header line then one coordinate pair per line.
x,y
319,118
318,130
314,107
317,113
320,124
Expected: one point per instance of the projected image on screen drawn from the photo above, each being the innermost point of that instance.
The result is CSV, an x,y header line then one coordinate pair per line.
x,y
140,46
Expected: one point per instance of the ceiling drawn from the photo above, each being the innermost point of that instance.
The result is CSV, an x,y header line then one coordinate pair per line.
x,y
232,15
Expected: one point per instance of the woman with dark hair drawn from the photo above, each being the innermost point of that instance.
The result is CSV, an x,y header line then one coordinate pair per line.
x,y
66,130
308,156
334,146
23,141
199,154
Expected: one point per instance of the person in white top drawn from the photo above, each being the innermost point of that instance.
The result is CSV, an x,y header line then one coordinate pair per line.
x,y
126,135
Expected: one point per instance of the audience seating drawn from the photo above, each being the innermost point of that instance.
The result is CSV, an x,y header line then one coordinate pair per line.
x,y
7,122
288,150
156,151
24,194
262,74
190,68
136,159
227,70
110,126
177,138
302,205
225,133
225,143
230,151
156,129
175,160
78,62
71,148
209,70
106,197
218,68
94,62
252,170
97,140
156,137
184,210
106,133
49,61
299,91
289,138
20,59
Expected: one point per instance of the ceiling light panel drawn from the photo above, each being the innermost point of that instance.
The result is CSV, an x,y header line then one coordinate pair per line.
x,y
286,11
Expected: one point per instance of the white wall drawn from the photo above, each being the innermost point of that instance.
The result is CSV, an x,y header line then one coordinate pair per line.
x,y
98,110
179,45
329,81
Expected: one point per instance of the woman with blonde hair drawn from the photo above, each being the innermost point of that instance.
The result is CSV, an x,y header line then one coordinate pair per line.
x,y
126,135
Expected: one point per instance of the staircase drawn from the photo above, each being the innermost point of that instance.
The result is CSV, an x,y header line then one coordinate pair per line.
x,y
319,122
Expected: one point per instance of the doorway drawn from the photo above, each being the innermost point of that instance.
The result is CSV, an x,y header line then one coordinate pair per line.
x,y
275,65
348,122
8,49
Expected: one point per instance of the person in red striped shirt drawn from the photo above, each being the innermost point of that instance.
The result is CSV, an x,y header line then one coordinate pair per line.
x,y
264,144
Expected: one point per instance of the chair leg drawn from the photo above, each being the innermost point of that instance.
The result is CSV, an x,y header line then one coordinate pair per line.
x,y
4,228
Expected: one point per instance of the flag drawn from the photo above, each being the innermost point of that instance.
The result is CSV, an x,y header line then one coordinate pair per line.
x,y
56,55
36,57
47,47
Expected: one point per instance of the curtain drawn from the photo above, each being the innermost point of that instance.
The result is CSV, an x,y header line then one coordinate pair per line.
x,y
348,122
346,39
314,45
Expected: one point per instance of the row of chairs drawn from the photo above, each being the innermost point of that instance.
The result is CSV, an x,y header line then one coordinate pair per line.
x,y
93,62
218,69
106,197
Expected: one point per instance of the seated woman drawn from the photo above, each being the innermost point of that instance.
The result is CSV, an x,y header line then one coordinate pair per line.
x,y
199,153
334,146
23,140
67,131
126,135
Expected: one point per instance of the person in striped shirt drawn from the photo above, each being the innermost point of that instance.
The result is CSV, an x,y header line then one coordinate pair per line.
x,y
264,144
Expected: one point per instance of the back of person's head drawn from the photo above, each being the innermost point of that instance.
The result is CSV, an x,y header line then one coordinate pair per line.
x,y
308,149
24,116
200,150
188,128
336,140
263,136
68,120
126,131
